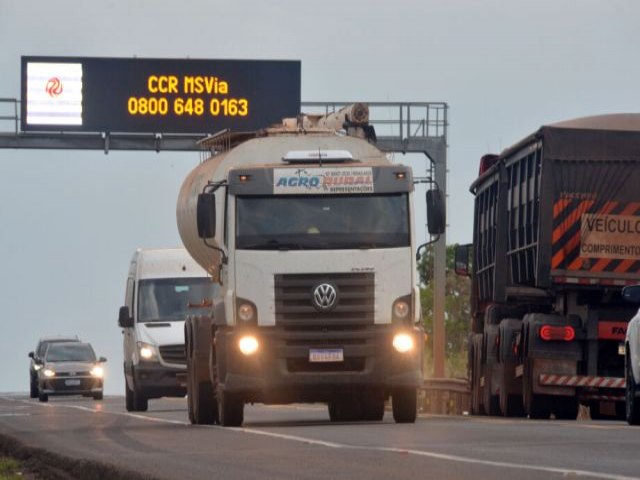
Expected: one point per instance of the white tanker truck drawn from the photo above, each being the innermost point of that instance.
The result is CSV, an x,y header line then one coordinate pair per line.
x,y
310,235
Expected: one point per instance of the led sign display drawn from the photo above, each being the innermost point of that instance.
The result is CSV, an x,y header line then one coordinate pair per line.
x,y
91,94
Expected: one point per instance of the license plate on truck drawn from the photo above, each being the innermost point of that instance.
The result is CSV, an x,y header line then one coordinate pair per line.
x,y
72,383
326,355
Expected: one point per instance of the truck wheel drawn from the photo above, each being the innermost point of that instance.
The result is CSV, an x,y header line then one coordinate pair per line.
x,y
566,408
511,405
491,402
201,402
346,410
230,409
536,406
475,374
405,405
631,392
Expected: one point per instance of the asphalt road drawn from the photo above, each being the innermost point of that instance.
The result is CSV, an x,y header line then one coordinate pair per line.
x,y
298,441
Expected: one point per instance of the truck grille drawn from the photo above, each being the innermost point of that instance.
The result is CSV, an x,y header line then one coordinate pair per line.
x,y
173,354
355,305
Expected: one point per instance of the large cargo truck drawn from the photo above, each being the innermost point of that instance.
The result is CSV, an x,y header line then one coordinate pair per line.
x,y
556,237
310,236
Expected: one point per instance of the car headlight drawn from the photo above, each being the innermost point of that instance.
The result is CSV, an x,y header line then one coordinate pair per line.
x,y
48,372
147,351
37,367
403,342
97,371
248,345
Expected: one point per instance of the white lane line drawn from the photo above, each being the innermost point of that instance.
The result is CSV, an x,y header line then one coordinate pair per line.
x,y
14,414
313,441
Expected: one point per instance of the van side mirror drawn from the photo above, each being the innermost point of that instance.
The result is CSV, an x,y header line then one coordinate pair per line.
x,y
125,320
102,359
462,263
631,294
32,355
436,219
206,215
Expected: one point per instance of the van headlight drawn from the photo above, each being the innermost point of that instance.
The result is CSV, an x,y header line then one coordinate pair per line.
x,y
146,351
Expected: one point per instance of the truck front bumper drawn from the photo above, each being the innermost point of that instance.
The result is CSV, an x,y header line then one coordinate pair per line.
x,y
283,371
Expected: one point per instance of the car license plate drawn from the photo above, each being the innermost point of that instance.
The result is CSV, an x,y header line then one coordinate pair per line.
x,y
72,383
326,355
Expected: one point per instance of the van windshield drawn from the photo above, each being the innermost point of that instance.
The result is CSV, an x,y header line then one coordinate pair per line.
x,y
172,299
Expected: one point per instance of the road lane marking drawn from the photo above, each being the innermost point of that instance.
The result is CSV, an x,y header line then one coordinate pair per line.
x,y
14,414
344,446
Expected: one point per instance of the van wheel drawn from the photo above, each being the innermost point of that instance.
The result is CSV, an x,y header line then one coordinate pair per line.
x,y
128,397
135,401
404,404
230,409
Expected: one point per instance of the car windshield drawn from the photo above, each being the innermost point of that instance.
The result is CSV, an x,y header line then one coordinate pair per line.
x,y
45,343
70,353
323,222
172,299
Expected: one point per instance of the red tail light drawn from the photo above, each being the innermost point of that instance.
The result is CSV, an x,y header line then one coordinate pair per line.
x,y
549,332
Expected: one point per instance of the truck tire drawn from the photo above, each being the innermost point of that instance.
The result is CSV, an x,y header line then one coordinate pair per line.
x,y
230,409
201,402
632,411
404,404
491,402
535,405
475,374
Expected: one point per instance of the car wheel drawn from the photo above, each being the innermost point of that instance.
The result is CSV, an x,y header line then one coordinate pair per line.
x,y
43,397
33,388
98,396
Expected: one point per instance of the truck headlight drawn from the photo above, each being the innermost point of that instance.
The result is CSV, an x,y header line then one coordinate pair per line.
x,y
49,372
401,311
97,371
246,311
403,342
248,345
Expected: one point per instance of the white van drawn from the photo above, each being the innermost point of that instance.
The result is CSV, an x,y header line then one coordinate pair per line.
x,y
163,287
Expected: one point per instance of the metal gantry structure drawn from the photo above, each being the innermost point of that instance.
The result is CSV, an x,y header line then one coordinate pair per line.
x,y
400,127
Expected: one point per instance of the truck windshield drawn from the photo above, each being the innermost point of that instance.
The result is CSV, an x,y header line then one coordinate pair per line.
x,y
322,222
172,299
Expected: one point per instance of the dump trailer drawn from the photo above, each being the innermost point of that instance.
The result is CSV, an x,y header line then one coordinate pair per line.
x,y
309,234
556,237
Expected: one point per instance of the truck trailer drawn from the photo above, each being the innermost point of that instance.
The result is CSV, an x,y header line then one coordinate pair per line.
x,y
556,237
309,233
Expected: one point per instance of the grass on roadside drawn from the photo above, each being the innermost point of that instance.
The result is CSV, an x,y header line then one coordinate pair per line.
x,y
9,469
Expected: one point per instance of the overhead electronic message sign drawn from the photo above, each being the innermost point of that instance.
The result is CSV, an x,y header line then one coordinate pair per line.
x,y
91,94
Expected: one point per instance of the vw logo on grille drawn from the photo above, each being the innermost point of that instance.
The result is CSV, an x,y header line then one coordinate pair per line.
x,y
324,297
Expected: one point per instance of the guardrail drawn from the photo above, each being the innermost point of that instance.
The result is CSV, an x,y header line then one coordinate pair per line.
x,y
449,396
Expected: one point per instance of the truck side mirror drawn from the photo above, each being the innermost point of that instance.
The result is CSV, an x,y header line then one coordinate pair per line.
x,y
125,320
631,293
31,355
206,215
462,265
436,220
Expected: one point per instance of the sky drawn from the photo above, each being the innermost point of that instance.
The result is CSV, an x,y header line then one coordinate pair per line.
x,y
70,220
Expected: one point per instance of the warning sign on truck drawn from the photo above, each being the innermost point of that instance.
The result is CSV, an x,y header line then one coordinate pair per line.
x,y
610,236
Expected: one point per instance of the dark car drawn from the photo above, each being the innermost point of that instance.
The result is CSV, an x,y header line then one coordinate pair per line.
x,y
70,369
36,359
